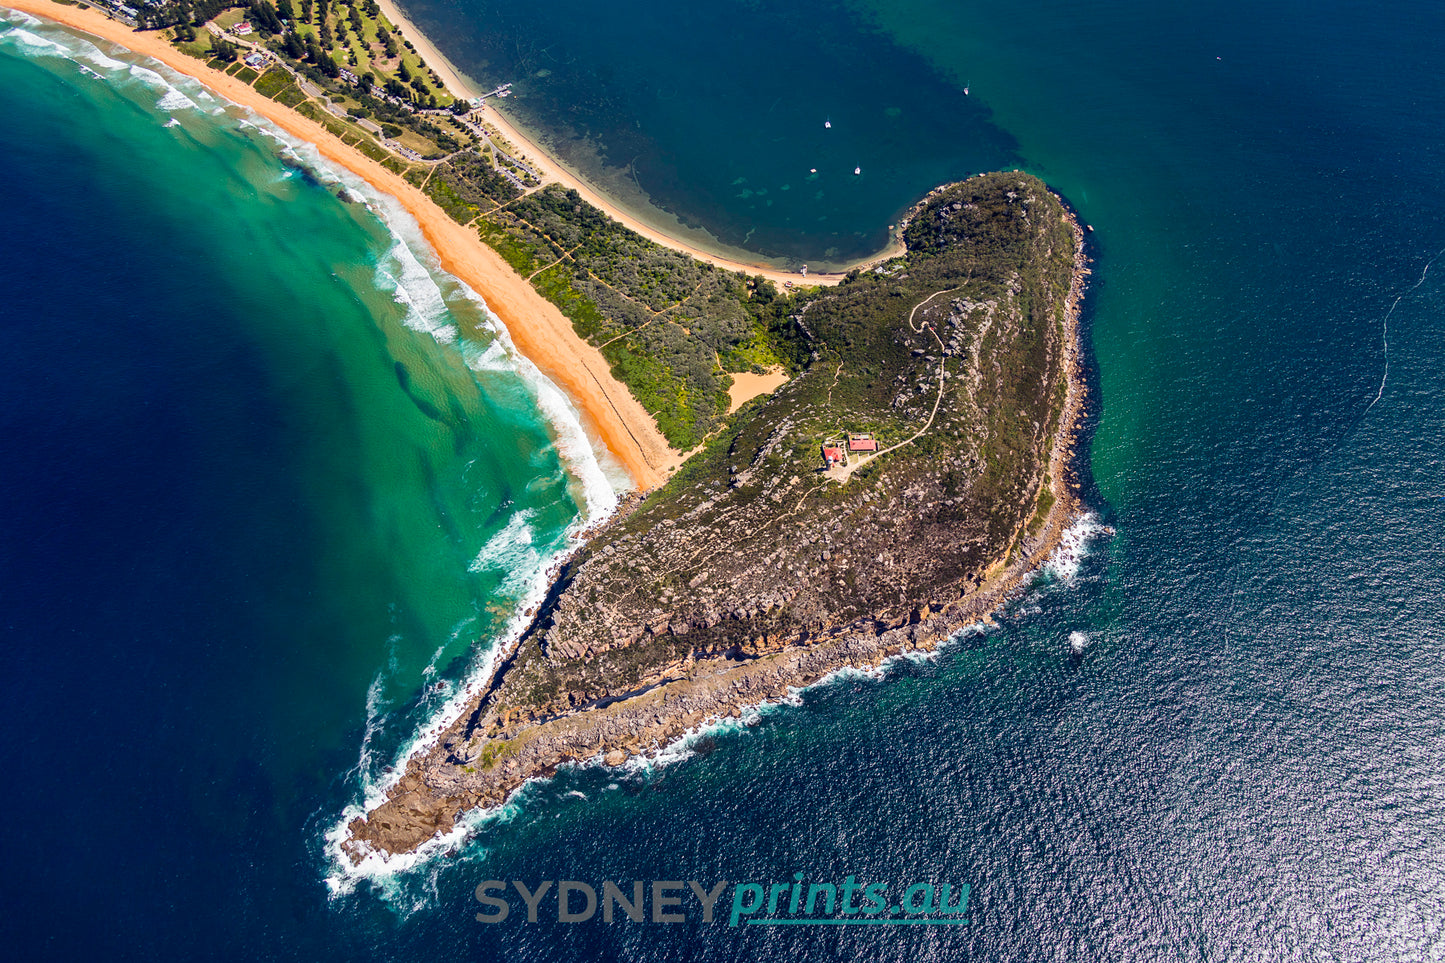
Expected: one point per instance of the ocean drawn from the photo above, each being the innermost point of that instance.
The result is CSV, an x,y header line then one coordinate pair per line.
x,y
271,479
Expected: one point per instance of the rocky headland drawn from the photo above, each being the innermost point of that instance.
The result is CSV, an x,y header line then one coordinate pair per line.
x,y
901,487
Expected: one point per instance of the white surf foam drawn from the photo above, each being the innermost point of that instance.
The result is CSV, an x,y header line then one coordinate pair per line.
x,y
34,42
93,55
1074,546
150,78
414,288
9,16
492,357
512,551
173,100
374,719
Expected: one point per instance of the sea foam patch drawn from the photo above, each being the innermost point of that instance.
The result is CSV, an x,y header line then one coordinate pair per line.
x,y
510,552
34,42
9,16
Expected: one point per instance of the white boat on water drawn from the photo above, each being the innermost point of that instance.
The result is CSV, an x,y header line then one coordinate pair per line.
x,y
857,170
827,123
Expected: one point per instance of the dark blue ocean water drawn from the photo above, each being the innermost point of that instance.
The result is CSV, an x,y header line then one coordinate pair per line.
x,y
1222,738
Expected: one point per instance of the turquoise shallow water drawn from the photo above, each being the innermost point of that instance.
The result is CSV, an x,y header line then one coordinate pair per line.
x,y
1220,739
274,486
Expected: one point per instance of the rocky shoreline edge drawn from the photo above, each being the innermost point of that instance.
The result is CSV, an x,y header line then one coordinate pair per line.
x,y
437,789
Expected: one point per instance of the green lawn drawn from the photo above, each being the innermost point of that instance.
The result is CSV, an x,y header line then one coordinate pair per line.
x,y
230,17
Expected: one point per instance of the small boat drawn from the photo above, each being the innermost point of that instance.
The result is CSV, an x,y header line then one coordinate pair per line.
x,y
812,170
965,90
857,170
827,123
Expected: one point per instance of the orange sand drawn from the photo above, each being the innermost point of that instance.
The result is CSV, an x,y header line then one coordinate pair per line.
x,y
747,386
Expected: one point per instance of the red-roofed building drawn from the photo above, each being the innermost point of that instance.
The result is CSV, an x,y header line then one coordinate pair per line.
x,y
862,442
833,454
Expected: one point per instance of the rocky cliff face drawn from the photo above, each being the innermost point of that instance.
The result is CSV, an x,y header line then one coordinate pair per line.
x,y
755,568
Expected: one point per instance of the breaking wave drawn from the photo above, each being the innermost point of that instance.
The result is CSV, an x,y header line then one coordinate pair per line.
x,y
173,100
1074,545
37,37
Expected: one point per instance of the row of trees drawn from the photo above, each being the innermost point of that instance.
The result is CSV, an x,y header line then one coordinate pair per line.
x,y
279,19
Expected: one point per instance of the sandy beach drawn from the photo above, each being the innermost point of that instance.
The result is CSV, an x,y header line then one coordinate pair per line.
x,y
537,327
